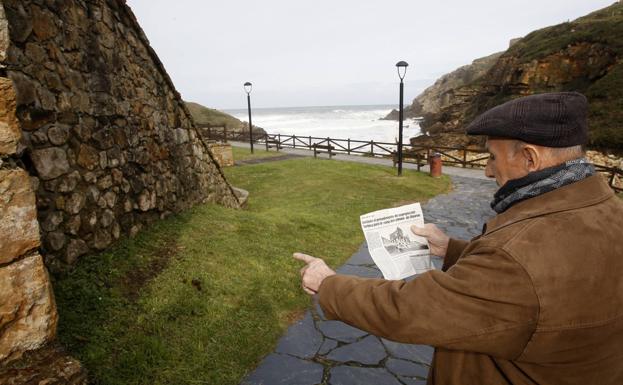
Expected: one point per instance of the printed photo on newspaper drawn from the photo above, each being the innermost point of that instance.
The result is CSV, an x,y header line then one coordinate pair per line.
x,y
394,248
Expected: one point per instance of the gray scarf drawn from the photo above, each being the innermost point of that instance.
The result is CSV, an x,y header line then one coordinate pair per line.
x,y
540,182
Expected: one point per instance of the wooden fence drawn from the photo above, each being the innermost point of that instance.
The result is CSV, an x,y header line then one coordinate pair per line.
x,y
418,154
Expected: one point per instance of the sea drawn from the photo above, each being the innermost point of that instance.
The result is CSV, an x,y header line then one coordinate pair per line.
x,y
339,122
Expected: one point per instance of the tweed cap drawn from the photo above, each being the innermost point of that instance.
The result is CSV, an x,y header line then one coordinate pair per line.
x,y
552,120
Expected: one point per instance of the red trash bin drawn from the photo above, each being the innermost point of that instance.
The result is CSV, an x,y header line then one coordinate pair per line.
x,y
435,165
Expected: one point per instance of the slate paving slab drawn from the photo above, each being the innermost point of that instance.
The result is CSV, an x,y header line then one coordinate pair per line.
x,y
340,331
301,340
319,351
368,351
280,369
406,368
417,353
351,375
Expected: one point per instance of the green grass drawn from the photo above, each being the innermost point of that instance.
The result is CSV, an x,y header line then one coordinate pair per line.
x,y
205,116
202,296
258,153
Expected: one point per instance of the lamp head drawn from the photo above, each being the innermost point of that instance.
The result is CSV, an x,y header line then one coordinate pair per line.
x,y
247,87
402,69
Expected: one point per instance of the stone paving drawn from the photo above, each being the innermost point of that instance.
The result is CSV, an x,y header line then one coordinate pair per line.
x,y
317,351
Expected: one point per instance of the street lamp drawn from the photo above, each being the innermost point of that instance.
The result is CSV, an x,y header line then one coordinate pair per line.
x,y
247,89
402,70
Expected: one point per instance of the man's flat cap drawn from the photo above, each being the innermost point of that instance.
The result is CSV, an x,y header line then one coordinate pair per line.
x,y
552,120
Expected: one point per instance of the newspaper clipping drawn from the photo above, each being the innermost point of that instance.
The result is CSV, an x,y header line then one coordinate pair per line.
x,y
394,248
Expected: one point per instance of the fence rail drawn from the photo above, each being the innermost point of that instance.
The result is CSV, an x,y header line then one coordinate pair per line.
x,y
418,154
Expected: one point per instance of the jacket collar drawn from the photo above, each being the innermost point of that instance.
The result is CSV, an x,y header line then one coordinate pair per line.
x,y
586,192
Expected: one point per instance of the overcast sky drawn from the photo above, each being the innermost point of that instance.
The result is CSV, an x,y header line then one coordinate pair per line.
x,y
331,52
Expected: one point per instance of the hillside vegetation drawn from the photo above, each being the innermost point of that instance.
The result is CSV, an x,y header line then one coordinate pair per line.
x,y
584,55
205,116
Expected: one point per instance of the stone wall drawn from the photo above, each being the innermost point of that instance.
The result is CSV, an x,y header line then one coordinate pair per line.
x,y
107,140
95,143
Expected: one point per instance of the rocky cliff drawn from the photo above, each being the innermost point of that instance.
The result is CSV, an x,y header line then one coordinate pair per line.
x,y
585,55
442,94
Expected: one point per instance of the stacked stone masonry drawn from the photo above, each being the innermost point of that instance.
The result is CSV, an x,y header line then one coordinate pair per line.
x,y
95,143
106,137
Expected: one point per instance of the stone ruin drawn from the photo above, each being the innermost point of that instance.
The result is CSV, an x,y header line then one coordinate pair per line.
x,y
95,144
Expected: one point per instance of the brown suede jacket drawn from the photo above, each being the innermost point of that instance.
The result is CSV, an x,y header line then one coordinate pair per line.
x,y
536,299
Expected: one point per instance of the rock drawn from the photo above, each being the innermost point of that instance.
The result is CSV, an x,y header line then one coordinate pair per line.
x,y
278,369
181,135
88,157
21,26
340,331
368,351
101,239
406,368
103,160
69,182
144,200
107,218
27,306
10,132
301,340
55,240
360,271
75,203
327,346
43,23
19,228
25,88
110,198
104,139
50,162
104,182
116,230
75,249
49,365
72,226
58,134
52,221
350,375
418,353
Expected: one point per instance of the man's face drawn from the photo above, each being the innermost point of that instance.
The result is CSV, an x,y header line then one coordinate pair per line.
x,y
506,160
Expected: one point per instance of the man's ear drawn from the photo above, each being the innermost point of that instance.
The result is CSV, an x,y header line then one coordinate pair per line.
x,y
531,157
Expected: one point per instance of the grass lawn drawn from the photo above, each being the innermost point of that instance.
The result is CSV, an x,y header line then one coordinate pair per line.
x,y
258,153
202,296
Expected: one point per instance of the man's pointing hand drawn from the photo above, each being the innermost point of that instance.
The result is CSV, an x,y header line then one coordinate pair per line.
x,y
313,273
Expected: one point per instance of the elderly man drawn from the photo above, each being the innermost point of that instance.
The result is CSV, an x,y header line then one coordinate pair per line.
x,y
538,297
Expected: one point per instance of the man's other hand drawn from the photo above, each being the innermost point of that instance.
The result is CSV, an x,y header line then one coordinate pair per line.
x,y
313,273
437,239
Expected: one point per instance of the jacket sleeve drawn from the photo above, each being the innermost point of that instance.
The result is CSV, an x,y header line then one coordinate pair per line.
x,y
485,303
455,249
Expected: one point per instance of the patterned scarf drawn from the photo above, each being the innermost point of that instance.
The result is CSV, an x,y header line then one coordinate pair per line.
x,y
540,182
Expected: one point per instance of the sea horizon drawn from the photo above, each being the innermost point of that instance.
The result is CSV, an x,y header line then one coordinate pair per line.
x,y
359,122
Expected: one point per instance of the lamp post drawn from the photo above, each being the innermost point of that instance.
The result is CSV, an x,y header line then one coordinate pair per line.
x,y
402,70
247,89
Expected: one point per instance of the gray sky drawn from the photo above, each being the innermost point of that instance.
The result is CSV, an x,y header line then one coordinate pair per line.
x,y
338,52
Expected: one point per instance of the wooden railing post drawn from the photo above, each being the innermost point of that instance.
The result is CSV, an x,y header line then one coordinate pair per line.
x,y
464,157
266,140
294,141
372,147
278,142
348,146
310,146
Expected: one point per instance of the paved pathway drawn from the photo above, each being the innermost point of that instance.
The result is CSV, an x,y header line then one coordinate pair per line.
x,y
316,351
